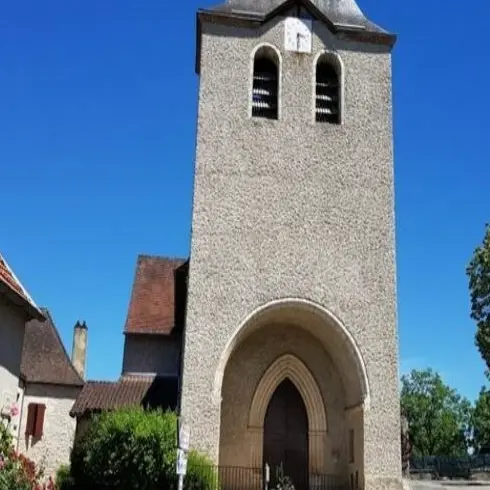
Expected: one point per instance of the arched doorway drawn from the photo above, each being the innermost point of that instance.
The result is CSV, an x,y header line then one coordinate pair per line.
x,y
286,436
304,343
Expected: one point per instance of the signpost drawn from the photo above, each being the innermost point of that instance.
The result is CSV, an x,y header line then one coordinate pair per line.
x,y
181,463
182,451
184,437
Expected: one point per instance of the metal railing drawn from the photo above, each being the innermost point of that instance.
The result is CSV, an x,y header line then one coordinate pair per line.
x,y
246,478
231,478
450,467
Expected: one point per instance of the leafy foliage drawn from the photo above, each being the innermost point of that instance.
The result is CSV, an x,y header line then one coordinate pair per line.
x,y
201,475
438,417
64,480
134,449
481,422
478,272
5,439
283,482
18,472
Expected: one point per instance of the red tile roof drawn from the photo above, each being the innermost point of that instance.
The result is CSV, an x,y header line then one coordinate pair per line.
x,y
13,289
158,295
44,357
127,392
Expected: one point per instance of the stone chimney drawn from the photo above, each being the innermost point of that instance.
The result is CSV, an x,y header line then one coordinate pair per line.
x,y
79,351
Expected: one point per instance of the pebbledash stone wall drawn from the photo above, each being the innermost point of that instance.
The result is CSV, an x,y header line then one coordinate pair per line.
x,y
294,209
54,447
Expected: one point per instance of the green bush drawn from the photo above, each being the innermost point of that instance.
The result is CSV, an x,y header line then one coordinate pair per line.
x,y
201,475
133,449
16,471
63,479
5,439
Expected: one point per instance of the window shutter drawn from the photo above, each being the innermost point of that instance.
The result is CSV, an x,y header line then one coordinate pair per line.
x,y
39,424
31,418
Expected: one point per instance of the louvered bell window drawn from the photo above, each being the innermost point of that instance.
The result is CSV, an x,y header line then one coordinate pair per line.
x,y
265,88
327,106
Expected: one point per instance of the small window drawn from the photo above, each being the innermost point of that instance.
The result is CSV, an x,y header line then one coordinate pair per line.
x,y
327,96
35,420
265,91
351,446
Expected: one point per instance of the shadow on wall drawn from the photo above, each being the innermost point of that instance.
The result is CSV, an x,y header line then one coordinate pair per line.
x,y
12,329
162,393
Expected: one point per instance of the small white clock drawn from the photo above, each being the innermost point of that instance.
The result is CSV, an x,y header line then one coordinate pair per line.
x,y
297,35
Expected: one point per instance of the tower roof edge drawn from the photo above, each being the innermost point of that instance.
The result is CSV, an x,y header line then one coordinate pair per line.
x,y
343,14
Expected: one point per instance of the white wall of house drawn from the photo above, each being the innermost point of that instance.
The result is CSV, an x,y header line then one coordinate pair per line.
x,y
12,328
53,448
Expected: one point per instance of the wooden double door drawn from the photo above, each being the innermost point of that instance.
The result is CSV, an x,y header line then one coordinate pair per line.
x,y
286,436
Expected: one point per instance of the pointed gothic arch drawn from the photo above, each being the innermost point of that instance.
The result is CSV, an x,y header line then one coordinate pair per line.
x,y
289,367
292,368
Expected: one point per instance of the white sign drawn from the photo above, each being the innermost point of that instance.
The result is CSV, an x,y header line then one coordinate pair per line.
x,y
184,437
298,35
181,462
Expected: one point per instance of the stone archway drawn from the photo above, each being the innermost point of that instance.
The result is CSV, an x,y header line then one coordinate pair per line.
x,y
289,367
302,341
299,310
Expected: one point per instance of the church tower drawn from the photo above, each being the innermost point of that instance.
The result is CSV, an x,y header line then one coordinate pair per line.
x,y
291,346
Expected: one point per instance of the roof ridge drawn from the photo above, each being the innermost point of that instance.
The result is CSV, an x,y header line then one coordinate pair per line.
x,y
341,15
100,381
172,258
16,282
52,324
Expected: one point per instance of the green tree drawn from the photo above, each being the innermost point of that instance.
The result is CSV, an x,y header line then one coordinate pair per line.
x,y
481,422
478,272
439,419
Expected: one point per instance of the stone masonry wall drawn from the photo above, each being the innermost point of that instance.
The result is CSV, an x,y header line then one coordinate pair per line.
x,y
54,447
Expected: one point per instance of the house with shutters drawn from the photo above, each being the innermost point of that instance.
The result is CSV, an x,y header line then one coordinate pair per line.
x,y
17,308
50,384
38,381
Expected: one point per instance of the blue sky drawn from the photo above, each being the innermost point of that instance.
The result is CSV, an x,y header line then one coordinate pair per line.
x,y
98,110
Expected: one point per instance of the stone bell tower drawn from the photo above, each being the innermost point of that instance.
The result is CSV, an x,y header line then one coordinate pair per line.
x,y
292,267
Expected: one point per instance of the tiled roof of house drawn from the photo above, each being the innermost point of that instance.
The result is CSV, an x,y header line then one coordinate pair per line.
x,y
44,357
158,297
131,391
15,292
